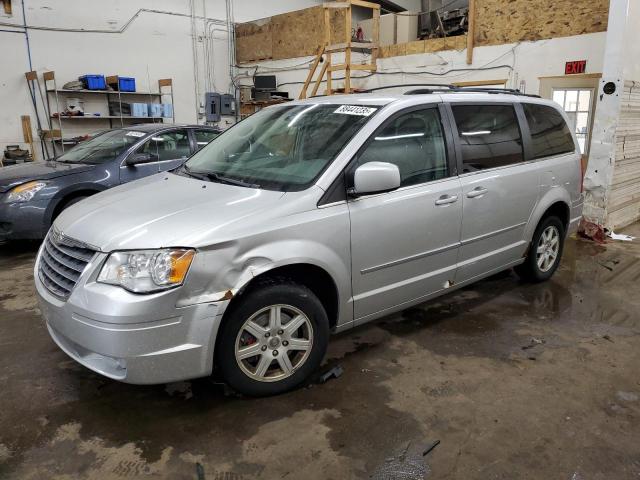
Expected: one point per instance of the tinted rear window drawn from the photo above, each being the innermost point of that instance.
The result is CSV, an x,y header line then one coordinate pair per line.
x,y
489,136
550,134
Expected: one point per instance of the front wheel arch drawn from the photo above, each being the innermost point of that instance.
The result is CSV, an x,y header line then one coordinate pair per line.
x,y
65,198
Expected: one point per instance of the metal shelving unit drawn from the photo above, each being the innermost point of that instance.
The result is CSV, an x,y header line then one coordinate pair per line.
x,y
54,95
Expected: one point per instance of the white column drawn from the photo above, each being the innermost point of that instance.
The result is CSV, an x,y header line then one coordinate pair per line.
x,y
599,174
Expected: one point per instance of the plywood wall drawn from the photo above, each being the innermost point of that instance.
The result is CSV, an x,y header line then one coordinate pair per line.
x,y
509,21
254,41
424,46
290,35
300,33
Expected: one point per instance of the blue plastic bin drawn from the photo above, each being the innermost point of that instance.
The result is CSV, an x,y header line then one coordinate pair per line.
x,y
155,109
139,110
93,82
127,84
124,84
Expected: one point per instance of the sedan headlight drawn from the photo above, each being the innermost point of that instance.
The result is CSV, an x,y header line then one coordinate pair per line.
x,y
24,192
146,271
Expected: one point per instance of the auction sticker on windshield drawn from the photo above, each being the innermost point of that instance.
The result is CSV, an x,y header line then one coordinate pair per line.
x,y
355,110
135,134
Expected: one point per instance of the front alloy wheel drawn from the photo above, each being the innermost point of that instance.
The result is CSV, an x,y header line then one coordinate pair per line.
x,y
272,337
274,342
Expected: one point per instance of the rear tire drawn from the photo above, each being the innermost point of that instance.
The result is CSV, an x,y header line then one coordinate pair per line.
x,y
273,339
545,251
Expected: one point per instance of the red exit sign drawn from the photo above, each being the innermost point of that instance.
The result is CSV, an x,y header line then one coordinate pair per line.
x,y
576,66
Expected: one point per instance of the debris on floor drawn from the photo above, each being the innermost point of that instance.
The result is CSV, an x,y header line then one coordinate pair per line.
x,y
534,343
620,236
200,472
609,264
182,389
408,464
334,372
430,448
627,396
591,231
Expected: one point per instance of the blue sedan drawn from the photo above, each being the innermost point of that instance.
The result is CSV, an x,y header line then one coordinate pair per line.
x,y
33,194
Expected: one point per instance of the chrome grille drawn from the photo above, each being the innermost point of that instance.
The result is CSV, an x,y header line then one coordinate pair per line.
x,y
62,261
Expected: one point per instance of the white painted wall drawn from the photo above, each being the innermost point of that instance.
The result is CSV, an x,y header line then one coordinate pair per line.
x,y
514,62
153,46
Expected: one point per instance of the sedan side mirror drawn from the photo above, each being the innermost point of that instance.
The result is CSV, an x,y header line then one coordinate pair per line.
x,y
375,177
137,158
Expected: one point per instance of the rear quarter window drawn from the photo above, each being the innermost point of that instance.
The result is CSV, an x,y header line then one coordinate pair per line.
x,y
550,134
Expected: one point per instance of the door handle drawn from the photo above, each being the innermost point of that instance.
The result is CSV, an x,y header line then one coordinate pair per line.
x,y
447,199
477,192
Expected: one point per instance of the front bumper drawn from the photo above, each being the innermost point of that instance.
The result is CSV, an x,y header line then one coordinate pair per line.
x,y
140,339
23,221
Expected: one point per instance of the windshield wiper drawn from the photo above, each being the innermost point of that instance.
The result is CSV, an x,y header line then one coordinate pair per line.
x,y
216,177
197,175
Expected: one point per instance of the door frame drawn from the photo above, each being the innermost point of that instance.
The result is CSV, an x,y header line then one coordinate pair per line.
x,y
584,80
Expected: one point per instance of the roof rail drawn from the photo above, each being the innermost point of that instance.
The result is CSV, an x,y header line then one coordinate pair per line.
x,y
436,87
506,91
428,88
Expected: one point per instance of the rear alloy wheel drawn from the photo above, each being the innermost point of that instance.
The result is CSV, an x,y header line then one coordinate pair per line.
x,y
548,248
272,339
545,251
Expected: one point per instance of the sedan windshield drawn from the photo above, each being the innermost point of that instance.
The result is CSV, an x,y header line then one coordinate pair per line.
x,y
280,148
103,148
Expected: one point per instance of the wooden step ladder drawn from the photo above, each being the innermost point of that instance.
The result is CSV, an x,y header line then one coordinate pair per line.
x,y
326,50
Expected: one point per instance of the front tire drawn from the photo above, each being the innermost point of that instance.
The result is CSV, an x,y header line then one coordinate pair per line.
x,y
273,339
545,251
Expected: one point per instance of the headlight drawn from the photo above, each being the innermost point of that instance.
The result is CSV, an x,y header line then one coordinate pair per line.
x,y
24,192
146,271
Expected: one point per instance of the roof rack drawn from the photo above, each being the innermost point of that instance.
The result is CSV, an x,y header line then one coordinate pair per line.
x,y
505,91
428,88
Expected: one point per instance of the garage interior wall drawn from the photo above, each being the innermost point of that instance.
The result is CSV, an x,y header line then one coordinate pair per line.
x,y
521,64
145,39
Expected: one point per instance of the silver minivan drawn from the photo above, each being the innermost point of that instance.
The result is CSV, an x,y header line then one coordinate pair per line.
x,y
304,219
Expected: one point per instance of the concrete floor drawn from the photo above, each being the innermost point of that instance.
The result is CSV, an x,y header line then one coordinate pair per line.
x,y
516,381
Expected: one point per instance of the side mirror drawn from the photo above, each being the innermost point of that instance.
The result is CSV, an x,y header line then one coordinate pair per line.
x,y
376,177
137,158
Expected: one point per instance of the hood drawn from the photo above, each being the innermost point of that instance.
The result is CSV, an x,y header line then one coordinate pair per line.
x,y
13,175
163,210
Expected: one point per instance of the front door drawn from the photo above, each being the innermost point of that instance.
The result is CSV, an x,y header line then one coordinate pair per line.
x,y
173,148
499,190
168,149
404,244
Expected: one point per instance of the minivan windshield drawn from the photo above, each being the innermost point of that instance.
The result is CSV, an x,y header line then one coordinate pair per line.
x,y
280,148
102,148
